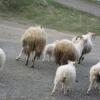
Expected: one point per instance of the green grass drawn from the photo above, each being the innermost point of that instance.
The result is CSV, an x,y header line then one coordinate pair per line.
x,y
56,16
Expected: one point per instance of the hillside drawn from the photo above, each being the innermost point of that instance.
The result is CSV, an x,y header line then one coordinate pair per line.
x,y
50,14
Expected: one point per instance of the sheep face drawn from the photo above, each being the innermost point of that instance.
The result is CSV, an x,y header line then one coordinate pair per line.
x,y
92,34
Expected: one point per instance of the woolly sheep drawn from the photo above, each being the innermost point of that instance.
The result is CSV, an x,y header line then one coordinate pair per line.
x,y
2,59
33,41
88,46
66,50
66,76
49,51
94,77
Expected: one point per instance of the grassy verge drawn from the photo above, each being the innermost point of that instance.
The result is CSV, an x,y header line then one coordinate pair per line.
x,y
56,16
93,1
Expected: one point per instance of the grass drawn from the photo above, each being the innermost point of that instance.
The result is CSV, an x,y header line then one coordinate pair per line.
x,y
93,1
50,14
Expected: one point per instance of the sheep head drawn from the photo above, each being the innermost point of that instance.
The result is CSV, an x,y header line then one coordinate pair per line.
x,y
76,39
92,34
71,62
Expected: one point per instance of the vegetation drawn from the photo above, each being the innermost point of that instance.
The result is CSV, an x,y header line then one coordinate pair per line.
x,y
50,14
93,1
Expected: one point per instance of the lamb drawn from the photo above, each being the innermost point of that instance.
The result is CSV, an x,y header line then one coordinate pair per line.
x,y
94,77
33,41
2,59
88,46
49,51
66,76
66,50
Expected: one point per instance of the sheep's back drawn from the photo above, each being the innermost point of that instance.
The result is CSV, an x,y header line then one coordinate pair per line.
x,y
94,71
64,52
35,38
66,72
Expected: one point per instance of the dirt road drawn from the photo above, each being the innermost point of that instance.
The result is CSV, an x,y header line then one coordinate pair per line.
x,y
82,6
25,83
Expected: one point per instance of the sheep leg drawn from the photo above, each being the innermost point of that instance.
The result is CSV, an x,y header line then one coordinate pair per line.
x,y
34,60
80,59
27,59
18,57
99,88
49,57
62,87
65,89
54,88
96,85
44,56
90,87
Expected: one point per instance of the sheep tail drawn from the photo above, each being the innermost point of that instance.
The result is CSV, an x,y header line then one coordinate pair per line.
x,y
98,78
64,80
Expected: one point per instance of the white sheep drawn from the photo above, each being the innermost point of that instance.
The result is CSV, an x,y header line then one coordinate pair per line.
x,y
66,76
88,46
33,41
67,50
94,77
49,51
2,59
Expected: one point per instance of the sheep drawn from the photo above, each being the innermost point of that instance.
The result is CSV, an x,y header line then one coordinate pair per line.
x,y
66,50
2,59
94,77
66,76
33,41
49,50
88,46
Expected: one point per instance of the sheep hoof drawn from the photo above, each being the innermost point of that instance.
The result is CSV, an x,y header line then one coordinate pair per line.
x,y
76,81
17,59
52,94
65,93
32,66
88,93
43,61
26,64
82,58
79,62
